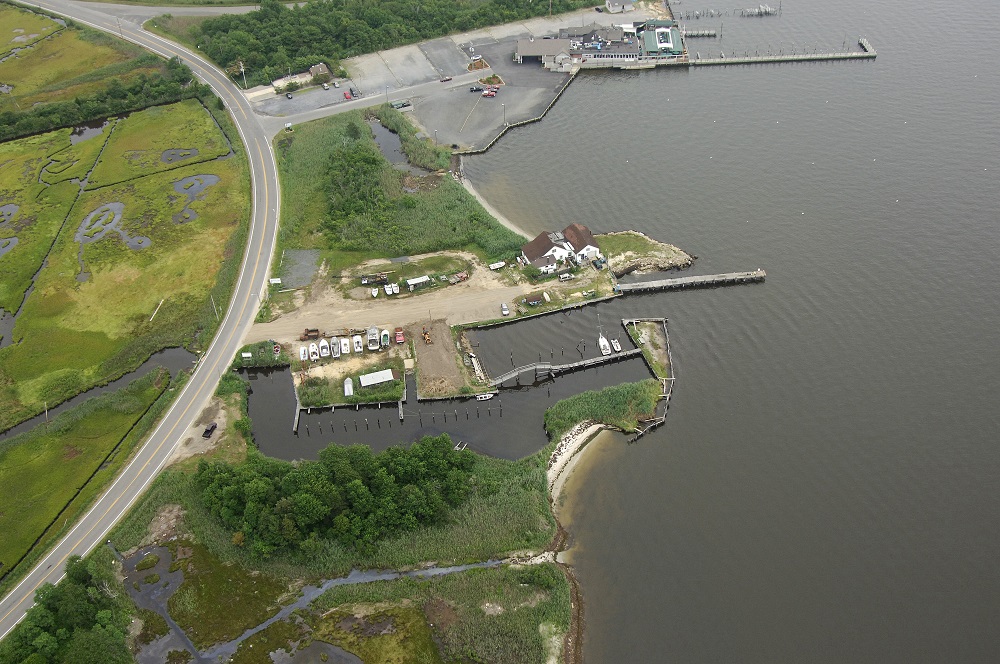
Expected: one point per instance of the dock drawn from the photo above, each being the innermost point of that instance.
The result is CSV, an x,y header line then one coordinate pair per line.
x,y
705,281
867,52
543,370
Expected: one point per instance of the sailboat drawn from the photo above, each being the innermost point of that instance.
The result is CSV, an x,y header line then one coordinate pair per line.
x,y
602,341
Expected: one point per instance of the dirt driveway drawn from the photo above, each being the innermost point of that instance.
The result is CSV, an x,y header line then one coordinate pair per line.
x,y
440,373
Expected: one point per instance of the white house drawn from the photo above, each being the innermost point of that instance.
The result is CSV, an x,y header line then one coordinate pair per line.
x,y
582,241
575,243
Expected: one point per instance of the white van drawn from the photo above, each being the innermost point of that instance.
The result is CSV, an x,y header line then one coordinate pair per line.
x,y
477,58
565,277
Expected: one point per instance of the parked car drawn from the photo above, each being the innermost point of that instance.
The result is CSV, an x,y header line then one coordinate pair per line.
x,y
326,86
347,95
355,93
445,79
209,430
288,95
336,84
399,336
504,311
476,88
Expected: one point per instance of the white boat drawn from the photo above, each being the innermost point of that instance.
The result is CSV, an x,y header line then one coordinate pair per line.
x,y
484,397
375,292
372,338
303,353
395,288
345,346
616,345
388,289
359,343
313,351
324,348
335,347
348,387
384,338
604,345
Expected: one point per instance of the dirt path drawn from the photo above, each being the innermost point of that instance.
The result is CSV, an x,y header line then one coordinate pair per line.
x,y
478,298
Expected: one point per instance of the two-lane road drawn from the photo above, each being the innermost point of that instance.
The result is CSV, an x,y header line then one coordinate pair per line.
x,y
93,527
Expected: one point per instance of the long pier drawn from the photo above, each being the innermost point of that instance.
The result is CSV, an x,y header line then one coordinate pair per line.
x,y
549,370
705,281
867,52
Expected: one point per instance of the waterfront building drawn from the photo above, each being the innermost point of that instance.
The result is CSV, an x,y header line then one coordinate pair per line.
x,y
574,243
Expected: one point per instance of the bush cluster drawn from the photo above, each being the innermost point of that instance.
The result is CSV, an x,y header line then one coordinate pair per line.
x,y
350,495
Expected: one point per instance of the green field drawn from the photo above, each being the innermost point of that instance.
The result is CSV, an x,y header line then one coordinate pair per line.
x,y
42,470
20,28
75,334
344,198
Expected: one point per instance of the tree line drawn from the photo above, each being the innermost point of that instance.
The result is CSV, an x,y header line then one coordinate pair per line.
x,y
80,621
276,37
349,495
174,84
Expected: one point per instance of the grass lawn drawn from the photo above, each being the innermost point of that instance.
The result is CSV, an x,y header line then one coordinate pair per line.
x,y
318,391
73,334
139,141
620,406
499,615
42,470
621,243
19,28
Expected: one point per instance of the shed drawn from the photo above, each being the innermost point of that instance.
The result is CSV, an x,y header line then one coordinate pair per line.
x,y
378,377
348,387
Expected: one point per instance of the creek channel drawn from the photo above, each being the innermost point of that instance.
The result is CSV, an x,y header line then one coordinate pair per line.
x,y
392,149
154,597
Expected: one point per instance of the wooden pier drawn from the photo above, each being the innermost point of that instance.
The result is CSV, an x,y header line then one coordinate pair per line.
x,y
699,33
705,281
867,52
543,370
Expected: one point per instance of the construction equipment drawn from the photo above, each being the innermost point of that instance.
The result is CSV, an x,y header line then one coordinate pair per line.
x,y
427,337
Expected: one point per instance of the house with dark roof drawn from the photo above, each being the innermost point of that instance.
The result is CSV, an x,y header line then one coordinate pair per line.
x,y
575,243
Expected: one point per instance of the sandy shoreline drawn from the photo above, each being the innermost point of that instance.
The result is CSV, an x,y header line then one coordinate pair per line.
x,y
566,455
504,221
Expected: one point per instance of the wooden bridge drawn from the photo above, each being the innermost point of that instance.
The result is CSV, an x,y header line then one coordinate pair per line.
x,y
704,281
543,370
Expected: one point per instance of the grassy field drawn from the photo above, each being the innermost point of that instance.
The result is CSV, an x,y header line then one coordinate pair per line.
x,y
42,470
218,602
42,209
73,334
440,215
620,243
19,28
75,62
620,406
318,391
514,615
139,141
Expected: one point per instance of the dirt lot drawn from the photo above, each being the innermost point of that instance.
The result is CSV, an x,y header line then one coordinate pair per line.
x,y
193,444
440,373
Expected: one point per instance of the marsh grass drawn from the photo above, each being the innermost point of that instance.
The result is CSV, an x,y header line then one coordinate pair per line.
x,y
620,406
14,18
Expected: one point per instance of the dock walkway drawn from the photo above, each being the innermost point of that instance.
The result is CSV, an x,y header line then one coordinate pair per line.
x,y
549,370
704,281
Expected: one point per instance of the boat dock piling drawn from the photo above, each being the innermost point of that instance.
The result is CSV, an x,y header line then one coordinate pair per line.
x,y
707,280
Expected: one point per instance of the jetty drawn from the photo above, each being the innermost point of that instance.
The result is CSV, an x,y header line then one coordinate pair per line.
x,y
544,370
704,281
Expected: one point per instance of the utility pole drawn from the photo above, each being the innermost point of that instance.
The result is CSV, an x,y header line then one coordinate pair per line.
x,y
244,72
120,34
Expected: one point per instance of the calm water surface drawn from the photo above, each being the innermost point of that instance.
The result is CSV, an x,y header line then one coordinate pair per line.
x,y
827,487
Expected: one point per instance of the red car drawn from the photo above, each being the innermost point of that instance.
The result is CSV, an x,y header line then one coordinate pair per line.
x,y
399,335
347,95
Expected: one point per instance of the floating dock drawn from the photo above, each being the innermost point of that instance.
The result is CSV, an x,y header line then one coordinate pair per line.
x,y
705,281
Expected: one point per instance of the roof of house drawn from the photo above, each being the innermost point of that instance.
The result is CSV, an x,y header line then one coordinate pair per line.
x,y
579,236
542,47
544,262
321,68
536,248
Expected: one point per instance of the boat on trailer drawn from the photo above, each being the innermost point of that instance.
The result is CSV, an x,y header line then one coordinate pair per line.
x,y
335,347
303,353
395,288
313,351
324,348
359,343
375,292
345,346
373,338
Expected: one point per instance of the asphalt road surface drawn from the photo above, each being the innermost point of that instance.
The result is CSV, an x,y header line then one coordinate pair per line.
x,y
93,527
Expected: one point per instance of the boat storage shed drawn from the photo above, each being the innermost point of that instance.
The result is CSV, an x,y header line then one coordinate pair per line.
x,y
377,378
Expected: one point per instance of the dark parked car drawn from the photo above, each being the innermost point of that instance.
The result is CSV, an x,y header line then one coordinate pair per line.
x,y
288,94
355,93
475,88
209,430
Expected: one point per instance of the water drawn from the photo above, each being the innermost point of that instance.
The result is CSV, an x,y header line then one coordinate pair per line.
x,y
825,486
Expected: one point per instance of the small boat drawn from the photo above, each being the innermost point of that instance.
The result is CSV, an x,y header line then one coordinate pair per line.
x,y
385,338
313,351
359,343
388,289
303,353
616,345
375,292
348,387
345,346
602,342
324,348
334,347
373,338
395,288
484,397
